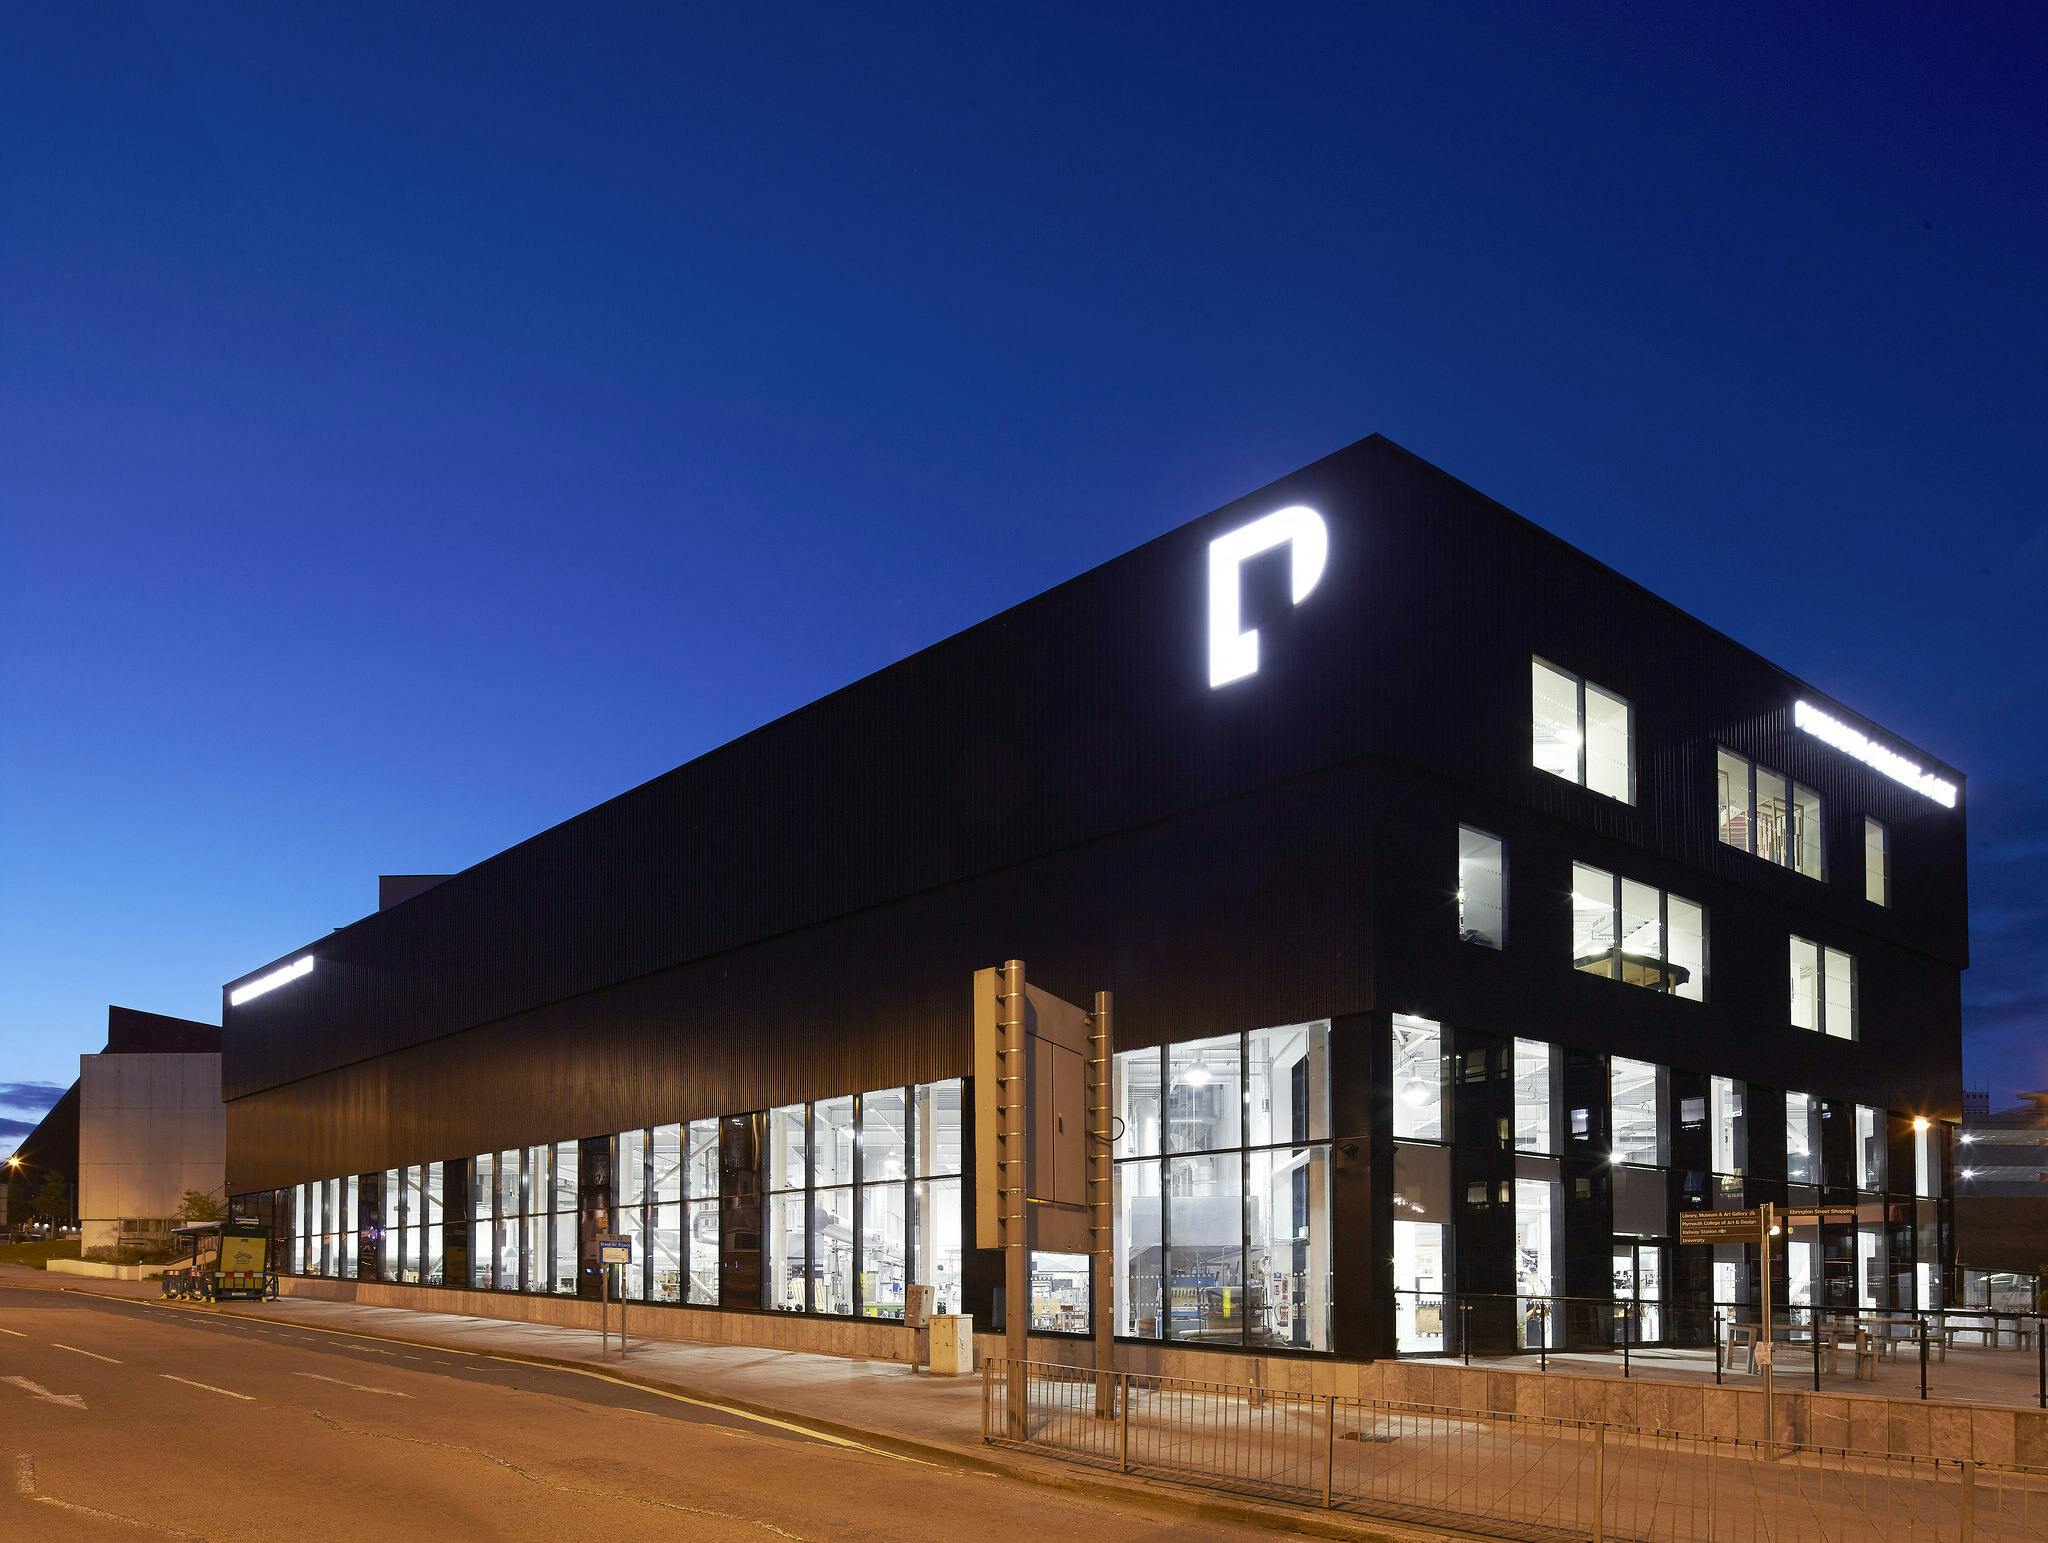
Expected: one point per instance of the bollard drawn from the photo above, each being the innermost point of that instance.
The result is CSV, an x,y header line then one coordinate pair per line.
x,y
1923,1356
1543,1339
1624,1342
1465,1329
2041,1350
1717,1347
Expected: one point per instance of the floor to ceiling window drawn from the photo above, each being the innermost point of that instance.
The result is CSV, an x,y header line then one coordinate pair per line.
x,y
1421,1232
1539,1195
1222,1190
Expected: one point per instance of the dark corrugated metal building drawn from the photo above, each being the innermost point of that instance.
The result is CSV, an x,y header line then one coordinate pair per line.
x,y
1501,914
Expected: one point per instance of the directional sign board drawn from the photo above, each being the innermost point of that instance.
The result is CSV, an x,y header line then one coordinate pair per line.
x,y
614,1250
1827,1213
1717,1226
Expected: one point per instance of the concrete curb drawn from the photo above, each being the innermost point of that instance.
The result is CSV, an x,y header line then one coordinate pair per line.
x,y
1159,1494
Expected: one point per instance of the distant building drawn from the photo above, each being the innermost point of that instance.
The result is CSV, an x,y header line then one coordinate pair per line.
x,y
52,1147
2002,1188
145,1114
1976,1103
150,1125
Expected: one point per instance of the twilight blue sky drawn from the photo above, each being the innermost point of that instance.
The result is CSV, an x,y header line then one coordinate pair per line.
x,y
418,423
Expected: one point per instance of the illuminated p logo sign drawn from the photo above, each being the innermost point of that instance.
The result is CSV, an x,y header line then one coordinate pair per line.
x,y
1234,652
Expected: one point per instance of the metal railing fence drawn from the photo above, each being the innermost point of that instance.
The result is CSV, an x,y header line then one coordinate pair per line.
x,y
1839,1341
1505,1475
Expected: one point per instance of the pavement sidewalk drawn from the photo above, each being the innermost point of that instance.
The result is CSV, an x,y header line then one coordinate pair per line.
x,y
878,1403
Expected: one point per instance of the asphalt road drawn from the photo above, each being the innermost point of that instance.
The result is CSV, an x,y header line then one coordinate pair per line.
x,y
135,1421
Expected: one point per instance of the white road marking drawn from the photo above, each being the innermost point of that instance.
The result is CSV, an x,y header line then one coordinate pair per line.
x,y
229,1392
55,1345
37,1390
15,1332
25,1486
358,1386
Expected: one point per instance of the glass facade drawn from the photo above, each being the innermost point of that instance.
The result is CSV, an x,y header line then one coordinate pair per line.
x,y
413,1251
1223,1173
523,1219
1222,1190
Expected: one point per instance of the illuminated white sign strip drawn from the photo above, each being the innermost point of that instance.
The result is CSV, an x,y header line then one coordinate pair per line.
x,y
1895,766
284,975
1234,652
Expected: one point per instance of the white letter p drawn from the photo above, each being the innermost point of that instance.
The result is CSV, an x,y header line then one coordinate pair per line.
x,y
1233,652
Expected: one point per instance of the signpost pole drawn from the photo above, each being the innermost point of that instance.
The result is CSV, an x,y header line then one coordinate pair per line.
x,y
1016,1244
604,1311
1101,1181
1764,1343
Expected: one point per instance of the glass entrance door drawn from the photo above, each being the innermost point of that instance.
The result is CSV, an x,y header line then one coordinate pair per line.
x,y
1639,1291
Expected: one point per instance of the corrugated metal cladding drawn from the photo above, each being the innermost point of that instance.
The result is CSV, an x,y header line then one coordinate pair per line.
x,y
1080,716
875,999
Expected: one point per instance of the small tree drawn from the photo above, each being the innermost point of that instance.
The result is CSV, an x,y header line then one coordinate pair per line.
x,y
198,1207
54,1198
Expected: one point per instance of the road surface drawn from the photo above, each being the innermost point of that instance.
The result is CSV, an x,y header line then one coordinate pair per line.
x,y
129,1420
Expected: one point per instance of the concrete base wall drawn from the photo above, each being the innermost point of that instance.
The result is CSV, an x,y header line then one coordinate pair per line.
x,y
1977,1432
102,1271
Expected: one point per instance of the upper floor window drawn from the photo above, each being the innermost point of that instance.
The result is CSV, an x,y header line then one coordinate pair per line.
x,y
1802,1138
1582,732
1482,888
1729,1134
1418,1079
1536,1097
1636,1096
1633,932
1823,988
1877,863
1767,813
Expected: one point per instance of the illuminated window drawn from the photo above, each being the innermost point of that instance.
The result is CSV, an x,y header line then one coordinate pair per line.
x,y
1802,1138
324,1241
935,1196
1634,932
1823,984
1223,1233
1870,1148
1418,1079
1482,888
1636,1103
1877,863
1536,1097
1730,1132
1766,813
1581,732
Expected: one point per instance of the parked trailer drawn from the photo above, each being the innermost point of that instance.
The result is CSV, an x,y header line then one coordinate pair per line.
x,y
226,1261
